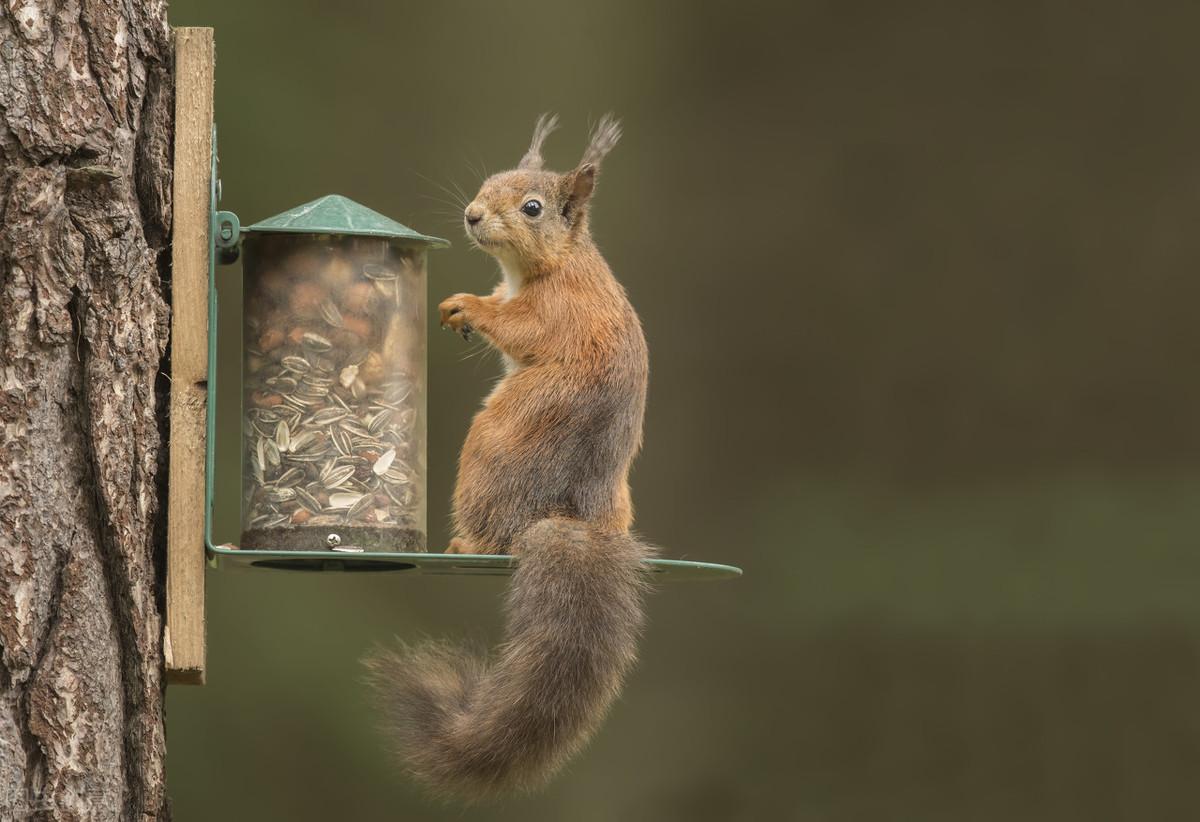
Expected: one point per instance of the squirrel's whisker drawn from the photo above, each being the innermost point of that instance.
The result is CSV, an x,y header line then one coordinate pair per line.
x,y
458,188
481,171
458,209
460,199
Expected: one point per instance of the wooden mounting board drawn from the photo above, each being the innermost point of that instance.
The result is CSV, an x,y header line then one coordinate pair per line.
x,y
183,639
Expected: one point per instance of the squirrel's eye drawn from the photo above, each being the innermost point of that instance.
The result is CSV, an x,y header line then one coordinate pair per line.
x,y
532,208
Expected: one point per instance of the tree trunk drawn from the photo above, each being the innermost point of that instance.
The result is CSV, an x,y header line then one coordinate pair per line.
x,y
85,136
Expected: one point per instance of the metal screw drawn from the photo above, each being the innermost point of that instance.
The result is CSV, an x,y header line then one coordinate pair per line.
x,y
333,540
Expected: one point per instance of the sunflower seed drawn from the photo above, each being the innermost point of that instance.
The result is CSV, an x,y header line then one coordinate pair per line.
x,y
379,421
395,476
384,462
308,500
283,437
336,476
360,507
341,441
315,342
278,495
330,313
396,393
326,416
303,441
283,384
308,456
298,364
353,426
343,500
290,477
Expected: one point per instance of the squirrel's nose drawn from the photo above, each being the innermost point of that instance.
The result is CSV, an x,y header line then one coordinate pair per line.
x,y
474,214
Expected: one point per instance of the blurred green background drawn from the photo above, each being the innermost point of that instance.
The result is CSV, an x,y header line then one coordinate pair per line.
x,y
919,282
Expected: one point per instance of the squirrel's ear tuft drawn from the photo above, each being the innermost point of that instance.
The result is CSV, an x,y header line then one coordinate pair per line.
x,y
577,190
604,137
546,124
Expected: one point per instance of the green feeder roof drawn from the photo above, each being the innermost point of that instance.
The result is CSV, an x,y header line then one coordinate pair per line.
x,y
334,214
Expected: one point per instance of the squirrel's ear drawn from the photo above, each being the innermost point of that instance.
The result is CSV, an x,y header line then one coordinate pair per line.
x,y
546,124
577,187
604,137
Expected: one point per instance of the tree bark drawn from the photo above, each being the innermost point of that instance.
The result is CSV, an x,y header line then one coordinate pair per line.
x,y
85,137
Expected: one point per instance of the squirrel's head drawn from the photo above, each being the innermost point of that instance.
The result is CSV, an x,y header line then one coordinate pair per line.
x,y
528,216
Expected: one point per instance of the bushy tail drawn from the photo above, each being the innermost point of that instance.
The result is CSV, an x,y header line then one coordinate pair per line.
x,y
470,728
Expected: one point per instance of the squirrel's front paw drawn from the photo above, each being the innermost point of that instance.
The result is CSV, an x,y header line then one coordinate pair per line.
x,y
455,313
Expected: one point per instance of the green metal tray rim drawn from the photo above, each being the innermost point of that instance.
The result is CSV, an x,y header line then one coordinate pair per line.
x,y
498,564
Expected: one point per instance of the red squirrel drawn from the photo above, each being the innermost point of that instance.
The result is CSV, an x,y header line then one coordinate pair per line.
x,y
543,475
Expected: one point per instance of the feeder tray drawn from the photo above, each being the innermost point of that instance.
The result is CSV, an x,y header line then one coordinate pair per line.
x,y
487,565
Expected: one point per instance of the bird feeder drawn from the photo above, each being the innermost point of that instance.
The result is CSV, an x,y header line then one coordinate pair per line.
x,y
332,386
333,380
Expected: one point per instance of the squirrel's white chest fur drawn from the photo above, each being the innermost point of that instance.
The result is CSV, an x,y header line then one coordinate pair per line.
x,y
514,278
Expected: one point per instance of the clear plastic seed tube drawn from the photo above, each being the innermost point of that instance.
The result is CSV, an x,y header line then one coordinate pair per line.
x,y
334,394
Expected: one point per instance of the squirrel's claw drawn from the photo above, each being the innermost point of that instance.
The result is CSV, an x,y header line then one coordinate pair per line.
x,y
453,315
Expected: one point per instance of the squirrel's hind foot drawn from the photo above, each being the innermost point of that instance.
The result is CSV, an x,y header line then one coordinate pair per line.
x,y
458,545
